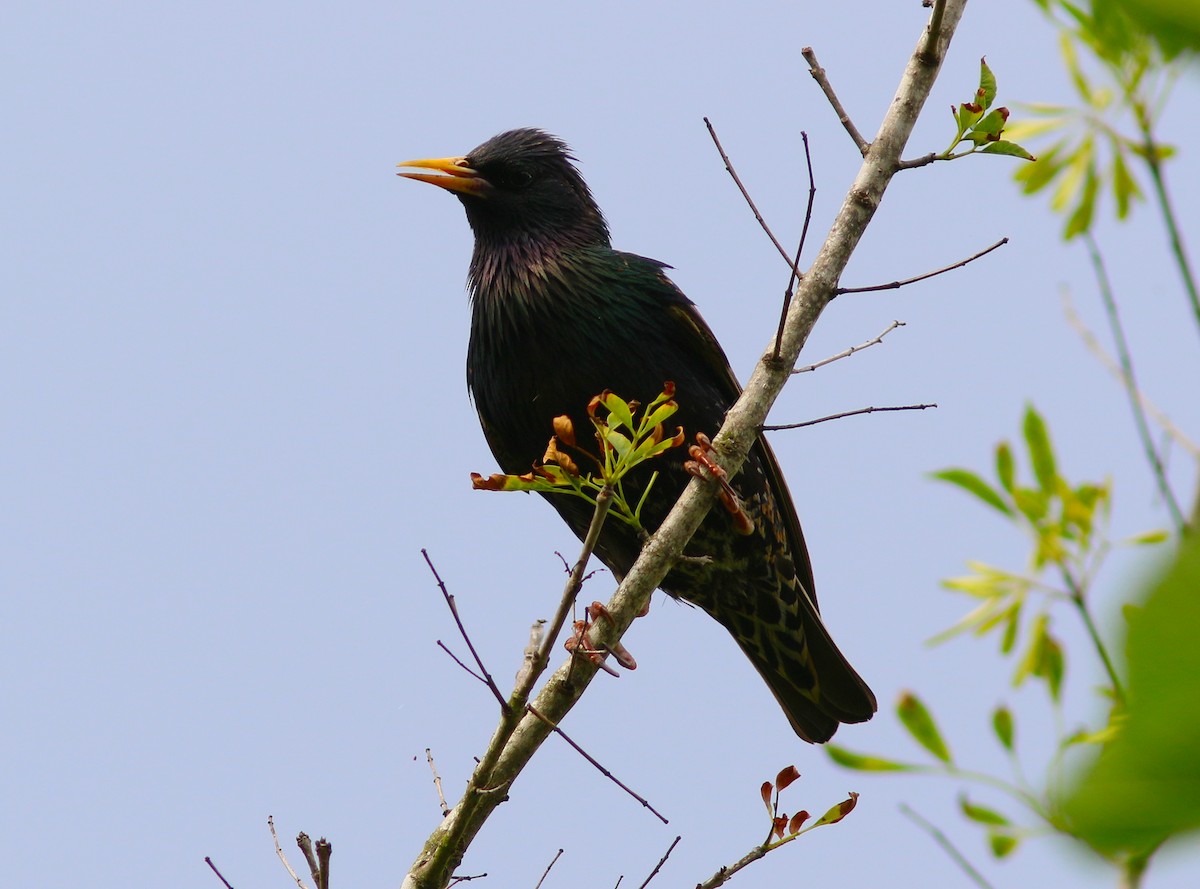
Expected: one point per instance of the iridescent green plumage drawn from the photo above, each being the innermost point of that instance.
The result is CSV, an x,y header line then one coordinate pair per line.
x,y
559,316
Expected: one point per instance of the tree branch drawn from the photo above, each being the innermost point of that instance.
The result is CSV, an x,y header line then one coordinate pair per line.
x,y
818,74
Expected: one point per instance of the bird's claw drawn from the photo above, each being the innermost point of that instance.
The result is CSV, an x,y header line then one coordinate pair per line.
x,y
699,464
578,642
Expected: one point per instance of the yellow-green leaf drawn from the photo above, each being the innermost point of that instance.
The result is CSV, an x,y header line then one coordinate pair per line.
x,y
861,762
915,717
1004,727
1041,452
973,484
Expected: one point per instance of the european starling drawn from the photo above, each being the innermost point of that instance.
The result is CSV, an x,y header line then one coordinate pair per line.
x,y
558,316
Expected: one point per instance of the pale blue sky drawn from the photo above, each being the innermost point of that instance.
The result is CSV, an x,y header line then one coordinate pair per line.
x,y
235,411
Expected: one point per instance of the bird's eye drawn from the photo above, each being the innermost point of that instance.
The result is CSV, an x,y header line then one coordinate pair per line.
x,y
515,178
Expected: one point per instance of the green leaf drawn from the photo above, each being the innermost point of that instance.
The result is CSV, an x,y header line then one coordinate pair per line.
x,y
861,762
1073,175
1149,537
1080,219
1005,468
838,812
1041,453
1027,129
915,717
989,127
1011,628
1052,666
1001,844
1146,784
1004,727
619,413
1125,188
1010,149
973,484
1032,658
1036,176
1156,151
981,814
1032,503
987,84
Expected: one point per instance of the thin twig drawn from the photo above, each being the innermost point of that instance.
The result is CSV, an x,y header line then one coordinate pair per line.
x,y
1152,156
922,161
437,782
603,771
1177,435
553,861
537,634
570,591
458,660
306,847
848,352
795,263
324,851
1080,602
948,847
279,852
661,862
456,879
861,410
818,74
895,284
745,194
221,876
487,677
1131,388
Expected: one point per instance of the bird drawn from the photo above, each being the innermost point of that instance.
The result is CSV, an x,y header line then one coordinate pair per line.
x,y
558,316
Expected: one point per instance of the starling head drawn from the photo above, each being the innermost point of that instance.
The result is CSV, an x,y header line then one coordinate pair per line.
x,y
520,187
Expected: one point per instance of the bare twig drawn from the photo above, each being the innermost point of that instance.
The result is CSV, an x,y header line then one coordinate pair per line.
x,y
458,660
487,677
795,263
745,194
603,771
318,864
895,284
861,410
922,161
848,352
306,847
818,74
567,601
324,851
437,782
520,735
661,862
948,847
537,633
456,879
1131,388
279,852
220,876
553,861
1177,435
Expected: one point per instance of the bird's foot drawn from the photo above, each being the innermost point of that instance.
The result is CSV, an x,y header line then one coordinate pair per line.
x,y
700,464
578,642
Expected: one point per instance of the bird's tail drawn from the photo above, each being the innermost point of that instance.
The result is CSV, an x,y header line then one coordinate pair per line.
x,y
812,680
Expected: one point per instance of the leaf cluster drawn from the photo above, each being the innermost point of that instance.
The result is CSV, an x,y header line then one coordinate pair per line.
x,y
1097,145
980,125
626,436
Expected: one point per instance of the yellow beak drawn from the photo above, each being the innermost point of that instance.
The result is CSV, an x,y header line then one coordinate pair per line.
x,y
453,174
